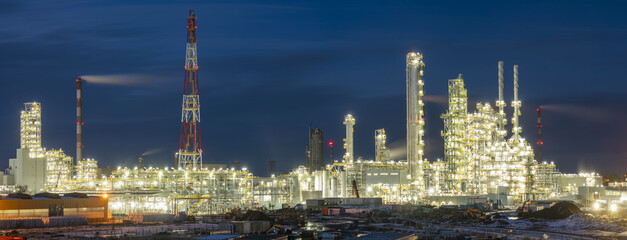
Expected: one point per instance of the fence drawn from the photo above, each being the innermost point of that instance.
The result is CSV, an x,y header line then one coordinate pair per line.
x,y
119,231
522,234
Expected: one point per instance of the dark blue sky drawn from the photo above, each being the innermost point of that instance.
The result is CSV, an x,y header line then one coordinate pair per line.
x,y
269,69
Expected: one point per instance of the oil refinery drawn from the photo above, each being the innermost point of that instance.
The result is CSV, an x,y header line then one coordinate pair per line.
x,y
486,155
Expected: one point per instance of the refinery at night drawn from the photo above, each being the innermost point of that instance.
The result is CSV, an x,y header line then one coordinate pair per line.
x,y
490,167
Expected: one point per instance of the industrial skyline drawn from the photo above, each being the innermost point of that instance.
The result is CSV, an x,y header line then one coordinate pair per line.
x,y
267,106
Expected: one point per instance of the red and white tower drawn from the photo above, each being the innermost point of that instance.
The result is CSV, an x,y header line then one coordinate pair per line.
x,y
79,120
190,151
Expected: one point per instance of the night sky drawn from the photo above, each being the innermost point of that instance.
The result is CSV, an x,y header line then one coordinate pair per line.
x,y
268,70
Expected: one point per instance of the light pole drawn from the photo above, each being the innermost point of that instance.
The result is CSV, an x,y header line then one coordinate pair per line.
x,y
331,146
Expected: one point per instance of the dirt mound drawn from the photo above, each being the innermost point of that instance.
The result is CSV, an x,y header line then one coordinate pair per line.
x,y
19,196
255,216
560,210
47,195
75,195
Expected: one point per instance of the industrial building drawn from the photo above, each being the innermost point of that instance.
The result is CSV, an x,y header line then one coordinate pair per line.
x,y
480,159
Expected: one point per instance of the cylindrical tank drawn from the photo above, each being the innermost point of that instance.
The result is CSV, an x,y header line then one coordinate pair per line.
x,y
316,150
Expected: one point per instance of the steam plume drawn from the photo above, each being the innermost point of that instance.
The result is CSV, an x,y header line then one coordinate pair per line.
x,y
152,151
436,99
122,79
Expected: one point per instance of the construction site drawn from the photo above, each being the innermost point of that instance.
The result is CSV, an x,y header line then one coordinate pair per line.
x,y
487,159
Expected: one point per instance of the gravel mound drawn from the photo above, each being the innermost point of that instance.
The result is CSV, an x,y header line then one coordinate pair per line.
x,y
560,210
252,215
75,195
47,195
19,196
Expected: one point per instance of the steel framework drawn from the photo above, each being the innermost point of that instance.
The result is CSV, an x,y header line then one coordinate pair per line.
x,y
190,151
30,129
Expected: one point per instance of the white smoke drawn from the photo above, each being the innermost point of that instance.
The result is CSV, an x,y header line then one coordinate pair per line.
x,y
152,151
123,79
398,149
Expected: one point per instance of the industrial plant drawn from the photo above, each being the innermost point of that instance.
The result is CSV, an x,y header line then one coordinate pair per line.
x,y
486,156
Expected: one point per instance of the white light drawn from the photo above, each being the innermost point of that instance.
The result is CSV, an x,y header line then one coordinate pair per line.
x,y
613,207
596,206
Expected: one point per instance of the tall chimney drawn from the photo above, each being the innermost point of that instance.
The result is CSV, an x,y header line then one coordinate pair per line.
x,y
79,120
141,162
540,143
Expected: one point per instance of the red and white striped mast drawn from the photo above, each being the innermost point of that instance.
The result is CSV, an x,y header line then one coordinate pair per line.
x,y
79,120
190,151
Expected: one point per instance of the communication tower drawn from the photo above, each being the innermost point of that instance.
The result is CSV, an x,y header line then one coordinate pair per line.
x,y
190,151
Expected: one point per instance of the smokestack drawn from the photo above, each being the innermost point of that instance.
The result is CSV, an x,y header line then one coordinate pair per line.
x,y
79,120
516,104
540,143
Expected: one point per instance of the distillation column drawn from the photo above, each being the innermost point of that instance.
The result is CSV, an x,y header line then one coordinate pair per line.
x,y
349,121
523,177
516,104
382,152
501,104
455,134
415,121
190,151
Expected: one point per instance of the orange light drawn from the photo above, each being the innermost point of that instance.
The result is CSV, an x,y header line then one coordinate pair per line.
x,y
105,195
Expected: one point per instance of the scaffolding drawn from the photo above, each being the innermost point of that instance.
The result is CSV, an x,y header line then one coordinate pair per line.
x,y
456,156
58,169
86,170
546,185
482,131
30,129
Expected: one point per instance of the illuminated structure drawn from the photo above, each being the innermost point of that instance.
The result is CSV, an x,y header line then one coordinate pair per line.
x,y
349,122
454,134
480,160
58,168
86,170
34,167
521,179
546,184
415,120
30,129
382,152
190,151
